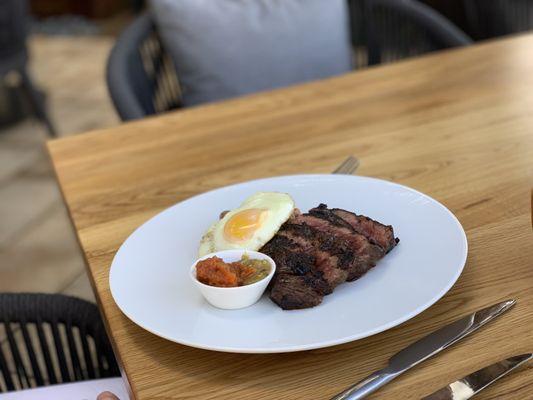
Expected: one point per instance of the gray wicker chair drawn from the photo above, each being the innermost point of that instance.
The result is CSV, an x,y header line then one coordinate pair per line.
x,y
491,18
51,338
140,76
142,80
397,29
14,56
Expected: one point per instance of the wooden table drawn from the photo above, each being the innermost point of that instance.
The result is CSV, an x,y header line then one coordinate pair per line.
x,y
456,125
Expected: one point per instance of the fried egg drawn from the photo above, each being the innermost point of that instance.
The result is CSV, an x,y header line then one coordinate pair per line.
x,y
251,225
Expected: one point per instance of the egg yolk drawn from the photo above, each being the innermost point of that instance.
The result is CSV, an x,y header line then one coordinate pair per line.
x,y
242,225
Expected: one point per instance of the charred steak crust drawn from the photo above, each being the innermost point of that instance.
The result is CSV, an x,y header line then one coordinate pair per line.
x,y
317,251
296,284
365,253
324,243
376,232
322,211
292,292
293,260
326,263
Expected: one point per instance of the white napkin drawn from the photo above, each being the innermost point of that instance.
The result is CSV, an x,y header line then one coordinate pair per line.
x,y
85,390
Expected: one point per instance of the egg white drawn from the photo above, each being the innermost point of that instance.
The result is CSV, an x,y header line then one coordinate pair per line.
x,y
278,206
207,244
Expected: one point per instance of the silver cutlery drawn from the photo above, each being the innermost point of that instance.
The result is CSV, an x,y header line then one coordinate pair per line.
x,y
474,383
423,349
348,166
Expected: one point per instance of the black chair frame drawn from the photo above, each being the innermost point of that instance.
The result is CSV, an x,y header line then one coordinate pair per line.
x,y
440,30
51,338
493,18
141,78
14,56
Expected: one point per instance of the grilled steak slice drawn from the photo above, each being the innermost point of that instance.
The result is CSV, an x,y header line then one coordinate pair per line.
x,y
292,292
297,283
292,259
328,257
289,257
317,251
364,255
376,232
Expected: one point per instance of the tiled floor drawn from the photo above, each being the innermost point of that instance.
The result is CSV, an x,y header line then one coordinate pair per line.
x,y
38,249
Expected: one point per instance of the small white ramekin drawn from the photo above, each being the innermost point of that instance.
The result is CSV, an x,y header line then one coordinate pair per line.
x,y
232,298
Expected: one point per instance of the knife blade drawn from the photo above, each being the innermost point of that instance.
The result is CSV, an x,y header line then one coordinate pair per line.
x,y
423,349
474,383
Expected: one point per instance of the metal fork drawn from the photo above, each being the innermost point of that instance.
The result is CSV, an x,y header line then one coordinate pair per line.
x,y
348,166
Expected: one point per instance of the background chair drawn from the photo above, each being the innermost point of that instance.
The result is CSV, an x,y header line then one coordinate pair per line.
x,y
14,56
142,80
140,76
49,339
491,18
397,29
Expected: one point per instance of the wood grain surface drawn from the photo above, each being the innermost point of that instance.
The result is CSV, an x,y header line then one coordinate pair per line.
x,y
456,125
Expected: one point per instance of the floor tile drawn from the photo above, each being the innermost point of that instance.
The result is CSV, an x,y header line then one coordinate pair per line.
x,y
81,288
25,134
38,250
13,160
45,259
22,202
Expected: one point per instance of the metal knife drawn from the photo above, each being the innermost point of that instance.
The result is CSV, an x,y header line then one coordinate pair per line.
x,y
474,383
423,349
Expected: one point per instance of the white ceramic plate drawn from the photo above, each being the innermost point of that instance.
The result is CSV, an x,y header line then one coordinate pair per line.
x,y
150,281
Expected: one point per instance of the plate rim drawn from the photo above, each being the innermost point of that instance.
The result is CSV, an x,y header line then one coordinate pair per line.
x,y
313,346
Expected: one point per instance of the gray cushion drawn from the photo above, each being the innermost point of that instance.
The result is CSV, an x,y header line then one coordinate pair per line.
x,y
226,48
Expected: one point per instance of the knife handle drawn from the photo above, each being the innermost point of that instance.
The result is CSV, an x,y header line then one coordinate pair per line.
x,y
368,385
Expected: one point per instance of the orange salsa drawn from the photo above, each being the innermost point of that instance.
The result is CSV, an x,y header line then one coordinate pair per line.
x,y
214,271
